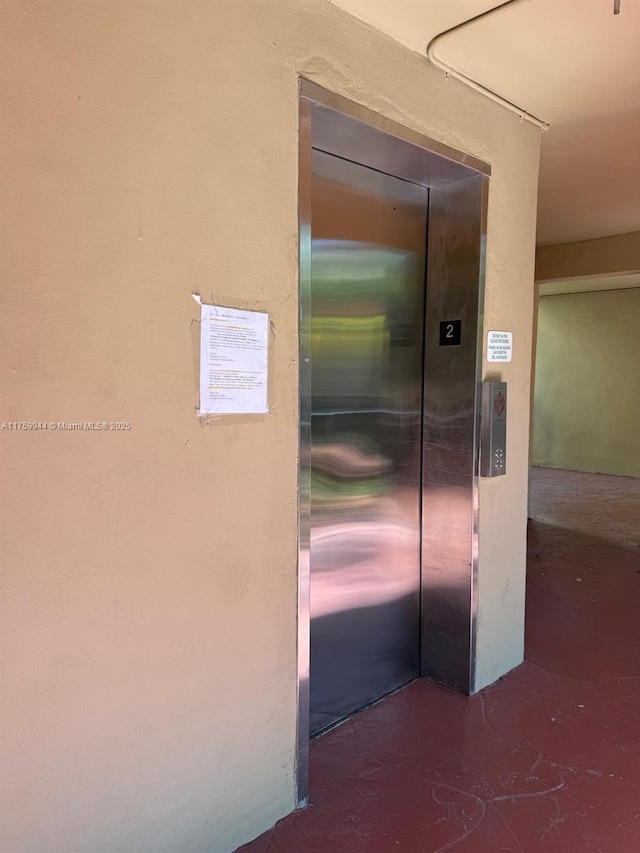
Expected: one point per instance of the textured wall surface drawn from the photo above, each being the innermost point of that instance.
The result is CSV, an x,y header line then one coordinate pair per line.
x,y
604,256
149,602
587,394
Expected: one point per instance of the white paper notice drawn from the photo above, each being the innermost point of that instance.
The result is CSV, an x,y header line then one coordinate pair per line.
x,y
499,346
233,361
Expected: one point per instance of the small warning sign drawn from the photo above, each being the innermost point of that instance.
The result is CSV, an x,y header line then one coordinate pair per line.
x,y
499,346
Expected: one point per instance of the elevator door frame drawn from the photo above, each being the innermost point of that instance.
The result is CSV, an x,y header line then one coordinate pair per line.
x,y
458,194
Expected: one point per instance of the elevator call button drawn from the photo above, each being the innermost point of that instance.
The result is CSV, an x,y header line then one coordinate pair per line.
x,y
493,433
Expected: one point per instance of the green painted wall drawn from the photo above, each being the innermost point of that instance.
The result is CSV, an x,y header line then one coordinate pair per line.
x,y
587,387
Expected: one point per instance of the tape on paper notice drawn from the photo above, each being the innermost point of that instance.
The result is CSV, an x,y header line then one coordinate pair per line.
x,y
233,361
499,346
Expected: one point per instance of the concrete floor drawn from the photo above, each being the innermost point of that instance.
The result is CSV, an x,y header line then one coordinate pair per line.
x,y
547,759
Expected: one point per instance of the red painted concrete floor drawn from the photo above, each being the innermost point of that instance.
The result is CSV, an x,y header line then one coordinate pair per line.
x,y
547,759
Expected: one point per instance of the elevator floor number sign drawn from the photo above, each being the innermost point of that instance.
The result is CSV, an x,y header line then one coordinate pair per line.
x,y
450,333
499,346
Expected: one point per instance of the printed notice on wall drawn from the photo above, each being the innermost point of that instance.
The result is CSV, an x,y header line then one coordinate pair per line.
x,y
233,361
499,346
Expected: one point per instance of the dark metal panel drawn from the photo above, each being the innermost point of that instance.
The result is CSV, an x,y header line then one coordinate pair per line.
x,y
450,441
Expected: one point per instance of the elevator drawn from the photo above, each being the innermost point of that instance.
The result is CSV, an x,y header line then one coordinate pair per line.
x,y
368,249
392,249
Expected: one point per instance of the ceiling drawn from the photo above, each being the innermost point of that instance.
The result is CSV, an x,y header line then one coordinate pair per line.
x,y
572,63
589,284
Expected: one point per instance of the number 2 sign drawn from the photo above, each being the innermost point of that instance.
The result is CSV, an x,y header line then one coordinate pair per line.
x,y
450,333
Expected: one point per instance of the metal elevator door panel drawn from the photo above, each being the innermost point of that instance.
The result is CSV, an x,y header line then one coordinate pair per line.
x,y
367,334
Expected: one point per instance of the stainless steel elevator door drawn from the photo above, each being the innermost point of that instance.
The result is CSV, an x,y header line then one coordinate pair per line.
x,y
367,333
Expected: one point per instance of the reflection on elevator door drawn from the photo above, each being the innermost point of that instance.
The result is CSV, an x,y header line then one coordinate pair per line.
x,y
368,266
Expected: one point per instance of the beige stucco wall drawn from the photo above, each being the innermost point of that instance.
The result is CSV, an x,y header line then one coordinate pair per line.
x,y
604,256
587,392
150,574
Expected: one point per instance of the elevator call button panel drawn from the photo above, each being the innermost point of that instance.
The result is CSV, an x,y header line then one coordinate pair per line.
x,y
493,441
